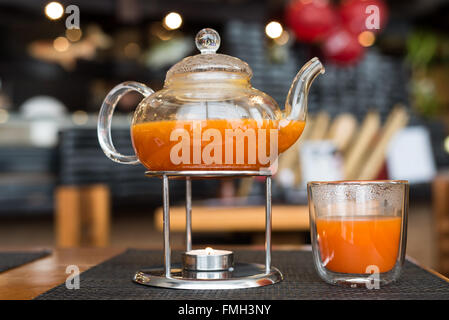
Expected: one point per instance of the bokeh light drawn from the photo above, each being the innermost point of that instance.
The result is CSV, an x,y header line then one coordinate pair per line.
x,y
173,21
80,117
282,39
446,144
54,10
61,44
274,29
366,38
73,34
132,50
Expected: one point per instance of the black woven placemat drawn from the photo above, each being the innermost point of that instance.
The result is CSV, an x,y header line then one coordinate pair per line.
x,y
9,260
112,280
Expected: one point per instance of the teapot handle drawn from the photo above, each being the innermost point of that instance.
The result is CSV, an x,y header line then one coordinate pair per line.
x,y
105,119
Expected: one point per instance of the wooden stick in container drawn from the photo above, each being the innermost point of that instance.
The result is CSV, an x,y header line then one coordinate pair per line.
x,y
397,119
342,130
320,126
357,150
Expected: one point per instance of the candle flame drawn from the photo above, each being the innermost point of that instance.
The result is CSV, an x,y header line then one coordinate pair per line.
x,y
209,251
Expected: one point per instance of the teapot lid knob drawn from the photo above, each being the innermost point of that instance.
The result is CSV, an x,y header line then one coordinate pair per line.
x,y
207,40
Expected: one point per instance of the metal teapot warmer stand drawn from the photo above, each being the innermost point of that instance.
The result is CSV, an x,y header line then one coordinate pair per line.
x,y
208,271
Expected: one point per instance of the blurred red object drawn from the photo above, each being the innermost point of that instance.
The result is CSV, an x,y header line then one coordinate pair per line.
x,y
310,20
383,173
342,47
357,14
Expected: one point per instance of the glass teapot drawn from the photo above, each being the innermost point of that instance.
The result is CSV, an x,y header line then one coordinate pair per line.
x,y
208,116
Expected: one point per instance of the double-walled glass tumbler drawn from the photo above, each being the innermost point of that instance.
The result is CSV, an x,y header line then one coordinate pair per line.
x,y
358,230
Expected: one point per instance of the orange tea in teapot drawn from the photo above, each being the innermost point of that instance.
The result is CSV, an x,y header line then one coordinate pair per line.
x,y
208,116
213,144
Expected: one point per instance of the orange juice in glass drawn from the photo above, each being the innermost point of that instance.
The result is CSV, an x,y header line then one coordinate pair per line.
x,y
358,230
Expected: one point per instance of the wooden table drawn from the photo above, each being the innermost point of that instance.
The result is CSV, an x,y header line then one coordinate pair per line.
x,y
236,219
32,279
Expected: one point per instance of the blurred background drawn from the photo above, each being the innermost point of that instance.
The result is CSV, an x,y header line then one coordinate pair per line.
x,y
381,111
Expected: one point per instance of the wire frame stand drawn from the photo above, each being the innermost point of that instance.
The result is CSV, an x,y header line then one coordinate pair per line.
x,y
241,275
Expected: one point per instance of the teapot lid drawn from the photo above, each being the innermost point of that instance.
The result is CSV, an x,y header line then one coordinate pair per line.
x,y
208,42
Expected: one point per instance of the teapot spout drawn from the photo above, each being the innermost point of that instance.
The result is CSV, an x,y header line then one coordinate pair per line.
x,y
296,103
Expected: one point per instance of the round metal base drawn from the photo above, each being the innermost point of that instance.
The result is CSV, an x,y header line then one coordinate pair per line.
x,y
242,275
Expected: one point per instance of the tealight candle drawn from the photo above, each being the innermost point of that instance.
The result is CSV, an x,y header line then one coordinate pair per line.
x,y
208,259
